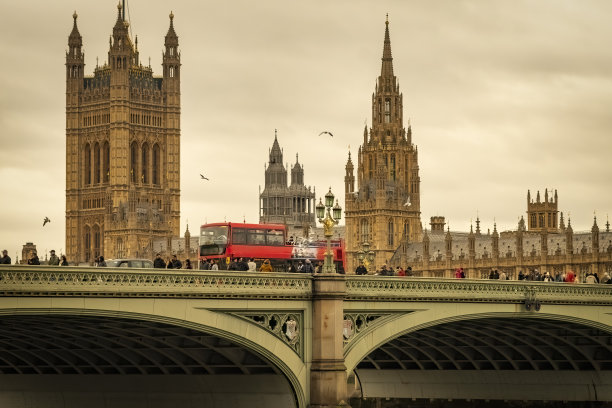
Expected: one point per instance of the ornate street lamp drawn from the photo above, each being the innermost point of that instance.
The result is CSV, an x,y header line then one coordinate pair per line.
x,y
366,255
328,226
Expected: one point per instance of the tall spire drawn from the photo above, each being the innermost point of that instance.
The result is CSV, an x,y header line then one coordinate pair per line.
x,y
387,59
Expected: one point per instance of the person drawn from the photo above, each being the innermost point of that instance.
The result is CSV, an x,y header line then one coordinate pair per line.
x,y
361,269
233,266
590,278
33,259
243,265
188,264
53,259
384,271
252,265
266,267
547,277
158,262
101,261
214,266
307,268
290,242
502,276
521,276
409,271
400,271
570,277
492,274
605,279
176,263
5,260
205,264
169,264
596,277
291,267
63,261
300,266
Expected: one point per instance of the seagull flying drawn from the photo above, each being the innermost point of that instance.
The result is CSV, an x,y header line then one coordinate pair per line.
x,y
45,221
407,203
326,132
203,178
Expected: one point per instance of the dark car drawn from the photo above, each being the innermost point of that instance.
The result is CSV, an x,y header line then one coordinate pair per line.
x,y
129,263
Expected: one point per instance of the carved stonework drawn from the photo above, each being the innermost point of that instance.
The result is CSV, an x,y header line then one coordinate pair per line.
x,y
287,326
356,324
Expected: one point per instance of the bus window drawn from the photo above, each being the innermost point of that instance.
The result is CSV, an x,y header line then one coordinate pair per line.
x,y
213,240
275,237
256,237
239,236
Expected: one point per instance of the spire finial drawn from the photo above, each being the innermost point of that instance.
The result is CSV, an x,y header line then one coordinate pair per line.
x,y
75,15
387,19
171,17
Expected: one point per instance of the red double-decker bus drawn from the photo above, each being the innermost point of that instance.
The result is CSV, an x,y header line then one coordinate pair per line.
x,y
226,240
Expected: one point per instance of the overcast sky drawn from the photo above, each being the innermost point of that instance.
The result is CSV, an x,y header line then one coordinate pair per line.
x,y
503,96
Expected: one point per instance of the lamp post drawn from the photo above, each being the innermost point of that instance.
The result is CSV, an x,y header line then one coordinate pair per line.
x,y
366,255
328,225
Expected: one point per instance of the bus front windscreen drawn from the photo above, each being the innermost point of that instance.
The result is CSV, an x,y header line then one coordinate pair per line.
x,y
213,240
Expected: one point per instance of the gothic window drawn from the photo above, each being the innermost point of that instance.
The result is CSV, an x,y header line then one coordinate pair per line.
x,y
156,164
120,252
106,165
370,167
365,230
406,229
171,51
133,162
390,233
144,178
379,111
87,243
96,163
393,167
387,111
96,241
87,164
541,220
171,72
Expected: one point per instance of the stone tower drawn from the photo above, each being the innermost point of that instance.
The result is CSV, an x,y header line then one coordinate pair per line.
x,y
385,208
291,205
543,215
122,149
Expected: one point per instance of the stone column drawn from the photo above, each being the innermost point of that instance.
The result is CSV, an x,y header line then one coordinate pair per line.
x,y
327,371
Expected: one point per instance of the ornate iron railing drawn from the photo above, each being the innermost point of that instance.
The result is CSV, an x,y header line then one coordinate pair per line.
x,y
21,280
468,290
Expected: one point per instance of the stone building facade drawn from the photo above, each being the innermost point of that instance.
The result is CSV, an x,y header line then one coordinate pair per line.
x,y
555,251
384,208
122,148
279,203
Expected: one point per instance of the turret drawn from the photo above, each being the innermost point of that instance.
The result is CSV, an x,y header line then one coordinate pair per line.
x,y
595,236
171,56
569,237
495,242
349,178
75,58
297,173
449,244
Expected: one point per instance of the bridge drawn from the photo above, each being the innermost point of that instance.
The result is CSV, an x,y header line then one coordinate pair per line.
x,y
154,338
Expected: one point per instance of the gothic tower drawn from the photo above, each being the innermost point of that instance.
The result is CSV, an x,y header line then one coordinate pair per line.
x,y
543,215
291,205
122,149
385,208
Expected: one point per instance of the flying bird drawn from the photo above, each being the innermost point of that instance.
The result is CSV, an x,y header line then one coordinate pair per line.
x,y
326,132
45,221
203,178
407,203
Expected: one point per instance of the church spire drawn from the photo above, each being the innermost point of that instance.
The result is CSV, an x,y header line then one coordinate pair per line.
x,y
387,59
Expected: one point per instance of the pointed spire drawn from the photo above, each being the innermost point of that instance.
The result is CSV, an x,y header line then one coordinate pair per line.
x,y
75,38
595,226
607,224
562,223
171,33
387,58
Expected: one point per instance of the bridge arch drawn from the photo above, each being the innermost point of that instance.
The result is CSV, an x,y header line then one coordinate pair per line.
x,y
193,316
452,345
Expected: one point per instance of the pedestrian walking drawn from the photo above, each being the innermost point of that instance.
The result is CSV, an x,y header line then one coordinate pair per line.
x,y
158,262
5,260
53,259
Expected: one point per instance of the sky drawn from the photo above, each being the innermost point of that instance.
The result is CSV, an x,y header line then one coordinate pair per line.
x,y
502,96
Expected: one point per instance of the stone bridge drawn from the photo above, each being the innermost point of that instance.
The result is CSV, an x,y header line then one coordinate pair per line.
x,y
110,337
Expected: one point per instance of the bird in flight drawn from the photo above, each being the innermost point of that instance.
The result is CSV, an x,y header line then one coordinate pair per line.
x,y
326,132
203,178
407,203
45,221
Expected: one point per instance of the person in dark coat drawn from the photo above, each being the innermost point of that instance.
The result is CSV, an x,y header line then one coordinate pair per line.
x,y
361,269
63,261
176,263
34,259
243,265
158,262
188,264
5,260
233,266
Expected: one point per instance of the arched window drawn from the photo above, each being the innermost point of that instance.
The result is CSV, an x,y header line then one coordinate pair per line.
x,y
392,167
387,111
96,163
171,72
133,162
145,164
156,164
364,231
87,164
390,233
120,252
87,243
96,241
406,230
106,162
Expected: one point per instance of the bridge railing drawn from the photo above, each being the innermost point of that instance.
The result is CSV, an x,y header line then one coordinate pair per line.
x,y
469,290
89,281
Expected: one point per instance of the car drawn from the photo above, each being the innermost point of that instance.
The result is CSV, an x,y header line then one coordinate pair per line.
x,y
129,263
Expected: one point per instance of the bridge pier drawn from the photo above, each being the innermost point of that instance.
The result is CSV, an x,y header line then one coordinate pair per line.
x,y
328,372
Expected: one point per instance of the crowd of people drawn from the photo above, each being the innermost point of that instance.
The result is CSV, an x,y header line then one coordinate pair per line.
x,y
308,267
